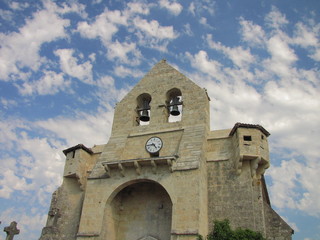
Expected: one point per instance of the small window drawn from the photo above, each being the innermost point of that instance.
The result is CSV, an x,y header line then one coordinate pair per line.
x,y
247,138
262,137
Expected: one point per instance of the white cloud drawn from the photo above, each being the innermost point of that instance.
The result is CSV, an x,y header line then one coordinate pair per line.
x,y
7,132
21,49
138,7
69,65
239,56
252,33
97,1
316,55
173,7
117,17
18,5
152,35
308,38
204,22
50,83
38,165
6,15
305,36
71,6
92,57
7,103
202,62
297,188
120,51
154,29
276,19
86,128
198,7
123,72
104,26
187,29
280,51
192,8
282,56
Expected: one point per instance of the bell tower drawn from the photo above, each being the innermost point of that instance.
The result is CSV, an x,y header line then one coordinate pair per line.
x,y
163,175
158,139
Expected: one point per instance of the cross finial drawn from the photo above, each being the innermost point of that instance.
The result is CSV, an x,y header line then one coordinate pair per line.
x,y
11,230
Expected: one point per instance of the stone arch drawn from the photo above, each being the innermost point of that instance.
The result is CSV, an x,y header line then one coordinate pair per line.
x,y
138,209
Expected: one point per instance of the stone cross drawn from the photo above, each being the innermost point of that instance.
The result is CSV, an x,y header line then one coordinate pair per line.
x,y
11,230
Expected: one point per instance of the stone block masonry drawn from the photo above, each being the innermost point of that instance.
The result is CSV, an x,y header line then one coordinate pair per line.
x,y
121,191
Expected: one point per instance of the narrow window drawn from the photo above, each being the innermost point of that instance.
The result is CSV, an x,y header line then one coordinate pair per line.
x,y
247,138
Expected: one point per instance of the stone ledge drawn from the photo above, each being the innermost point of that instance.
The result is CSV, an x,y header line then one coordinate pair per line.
x,y
218,160
155,132
121,165
88,234
187,232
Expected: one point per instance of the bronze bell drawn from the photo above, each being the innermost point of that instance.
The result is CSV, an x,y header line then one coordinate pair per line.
x,y
144,117
174,108
144,114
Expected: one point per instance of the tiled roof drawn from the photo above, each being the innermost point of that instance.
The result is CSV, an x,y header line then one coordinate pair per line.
x,y
246,125
79,146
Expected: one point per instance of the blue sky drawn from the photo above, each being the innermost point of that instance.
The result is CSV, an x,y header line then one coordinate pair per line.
x,y
65,64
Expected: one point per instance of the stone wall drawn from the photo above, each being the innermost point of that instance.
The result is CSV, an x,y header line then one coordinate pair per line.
x,y
276,227
198,175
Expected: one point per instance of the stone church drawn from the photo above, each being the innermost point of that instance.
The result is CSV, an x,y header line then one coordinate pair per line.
x,y
163,175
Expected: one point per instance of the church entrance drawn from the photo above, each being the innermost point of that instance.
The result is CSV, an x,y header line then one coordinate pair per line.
x,y
139,211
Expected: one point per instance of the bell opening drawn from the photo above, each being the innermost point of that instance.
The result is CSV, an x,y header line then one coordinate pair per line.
x,y
143,109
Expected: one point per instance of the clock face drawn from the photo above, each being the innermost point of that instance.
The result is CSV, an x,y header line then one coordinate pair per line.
x,y
153,145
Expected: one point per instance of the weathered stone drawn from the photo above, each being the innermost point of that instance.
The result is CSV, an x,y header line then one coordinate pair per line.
x,y
118,190
11,230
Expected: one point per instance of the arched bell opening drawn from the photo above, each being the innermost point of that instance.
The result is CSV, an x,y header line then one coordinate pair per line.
x,y
174,105
143,109
141,210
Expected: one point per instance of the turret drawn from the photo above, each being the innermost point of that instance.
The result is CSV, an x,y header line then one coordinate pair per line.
x,y
250,144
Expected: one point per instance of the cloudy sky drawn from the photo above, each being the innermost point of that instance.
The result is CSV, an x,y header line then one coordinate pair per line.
x,y
64,65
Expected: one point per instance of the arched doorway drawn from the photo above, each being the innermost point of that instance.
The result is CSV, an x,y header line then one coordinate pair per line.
x,y
141,210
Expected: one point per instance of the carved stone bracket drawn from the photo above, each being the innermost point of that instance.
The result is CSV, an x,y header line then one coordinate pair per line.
x,y
258,166
138,164
138,167
121,168
154,166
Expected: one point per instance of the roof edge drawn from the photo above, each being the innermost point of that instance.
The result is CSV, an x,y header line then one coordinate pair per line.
x,y
79,146
247,125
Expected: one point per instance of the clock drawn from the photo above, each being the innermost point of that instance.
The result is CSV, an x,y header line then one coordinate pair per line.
x,y
153,145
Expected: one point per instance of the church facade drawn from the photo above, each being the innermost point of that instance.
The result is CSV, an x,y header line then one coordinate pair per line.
x,y
164,175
